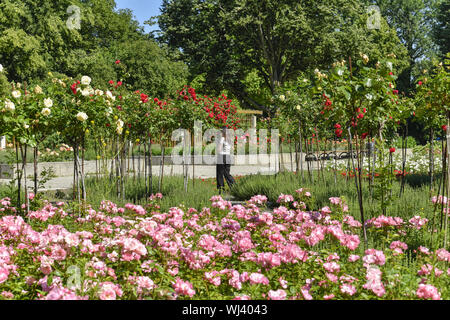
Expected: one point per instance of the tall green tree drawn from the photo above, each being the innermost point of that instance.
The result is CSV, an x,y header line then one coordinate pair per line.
x,y
35,38
413,20
148,68
229,40
441,29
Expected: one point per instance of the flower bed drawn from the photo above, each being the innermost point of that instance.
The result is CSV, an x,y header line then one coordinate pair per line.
x,y
221,252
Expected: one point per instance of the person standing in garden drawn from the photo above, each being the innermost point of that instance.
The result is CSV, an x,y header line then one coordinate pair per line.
x,y
223,165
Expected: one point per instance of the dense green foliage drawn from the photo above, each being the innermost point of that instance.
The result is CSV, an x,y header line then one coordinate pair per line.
x,y
35,38
441,30
237,44
413,20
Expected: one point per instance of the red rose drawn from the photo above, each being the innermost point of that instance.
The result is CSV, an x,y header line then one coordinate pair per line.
x,y
444,127
73,87
392,150
364,135
117,61
111,82
420,83
337,126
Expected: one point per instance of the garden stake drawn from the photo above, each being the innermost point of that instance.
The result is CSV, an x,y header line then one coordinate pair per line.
x,y
145,168
150,164
301,149
18,172
431,158
358,191
404,155
448,180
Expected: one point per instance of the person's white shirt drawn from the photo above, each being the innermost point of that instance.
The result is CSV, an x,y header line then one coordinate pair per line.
x,y
224,147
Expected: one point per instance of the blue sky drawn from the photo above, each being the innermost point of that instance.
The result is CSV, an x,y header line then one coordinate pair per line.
x,y
142,10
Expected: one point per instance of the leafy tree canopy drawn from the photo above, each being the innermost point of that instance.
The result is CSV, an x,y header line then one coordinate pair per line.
x,y
35,38
230,42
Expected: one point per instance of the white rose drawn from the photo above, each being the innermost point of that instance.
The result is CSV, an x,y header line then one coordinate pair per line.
x,y
389,65
9,105
85,80
85,92
46,112
38,90
99,92
365,58
16,94
48,103
119,124
81,116
110,95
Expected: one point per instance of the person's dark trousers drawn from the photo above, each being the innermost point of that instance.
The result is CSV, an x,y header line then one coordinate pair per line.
x,y
223,171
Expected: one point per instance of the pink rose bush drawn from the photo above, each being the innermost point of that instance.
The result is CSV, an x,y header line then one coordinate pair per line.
x,y
223,251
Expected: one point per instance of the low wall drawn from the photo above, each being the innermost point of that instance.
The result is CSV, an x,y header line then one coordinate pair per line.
x,y
66,169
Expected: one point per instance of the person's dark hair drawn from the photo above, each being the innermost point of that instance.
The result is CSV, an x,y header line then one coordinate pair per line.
x,y
224,130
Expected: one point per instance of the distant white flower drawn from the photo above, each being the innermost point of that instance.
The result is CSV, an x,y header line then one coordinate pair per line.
x,y
81,116
119,124
369,96
46,112
48,103
298,107
16,94
26,126
9,105
109,111
369,83
389,65
282,98
1,68
38,90
85,80
85,92
340,72
110,95
365,58
99,92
